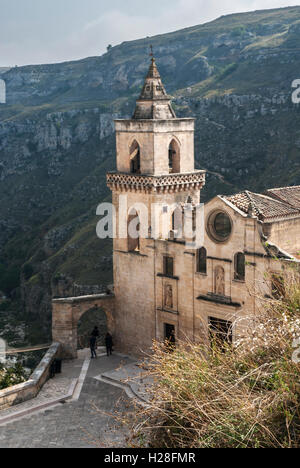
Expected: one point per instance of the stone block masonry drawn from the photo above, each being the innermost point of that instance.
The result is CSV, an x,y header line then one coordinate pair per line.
x,y
67,312
28,390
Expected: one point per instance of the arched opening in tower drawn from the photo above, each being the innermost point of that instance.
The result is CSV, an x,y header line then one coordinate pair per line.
x,y
135,158
133,226
174,157
177,220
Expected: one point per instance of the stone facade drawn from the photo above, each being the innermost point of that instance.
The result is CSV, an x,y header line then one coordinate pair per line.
x,y
165,286
66,314
150,302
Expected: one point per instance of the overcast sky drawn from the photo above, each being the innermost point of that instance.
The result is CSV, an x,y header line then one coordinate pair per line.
x,y
47,31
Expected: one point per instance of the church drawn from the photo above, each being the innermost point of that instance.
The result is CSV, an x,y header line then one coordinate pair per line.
x,y
161,286
164,287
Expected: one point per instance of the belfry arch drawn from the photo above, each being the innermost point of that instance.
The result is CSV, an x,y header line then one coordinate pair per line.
x,y
174,157
66,314
133,231
135,158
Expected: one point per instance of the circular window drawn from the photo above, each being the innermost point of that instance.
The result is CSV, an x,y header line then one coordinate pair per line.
x,y
219,226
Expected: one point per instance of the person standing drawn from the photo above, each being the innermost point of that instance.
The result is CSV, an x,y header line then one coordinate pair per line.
x,y
93,343
109,344
95,332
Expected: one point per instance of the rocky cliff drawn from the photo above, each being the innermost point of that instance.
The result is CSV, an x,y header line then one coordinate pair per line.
x,y
56,139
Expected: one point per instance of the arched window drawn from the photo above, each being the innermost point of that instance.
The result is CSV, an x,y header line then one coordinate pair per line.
x,y
133,232
202,261
239,266
135,158
177,220
174,157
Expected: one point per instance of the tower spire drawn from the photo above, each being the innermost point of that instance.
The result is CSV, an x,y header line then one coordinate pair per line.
x,y
153,103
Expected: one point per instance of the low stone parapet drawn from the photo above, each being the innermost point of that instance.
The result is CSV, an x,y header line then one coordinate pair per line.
x,y
26,391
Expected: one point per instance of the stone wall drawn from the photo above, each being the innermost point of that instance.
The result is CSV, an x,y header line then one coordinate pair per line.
x,y
154,138
66,314
147,299
285,234
30,389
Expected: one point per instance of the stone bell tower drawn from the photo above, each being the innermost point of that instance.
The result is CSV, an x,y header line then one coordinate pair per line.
x,y
155,165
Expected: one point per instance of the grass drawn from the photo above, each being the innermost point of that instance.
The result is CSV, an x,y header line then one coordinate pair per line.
x,y
242,397
274,40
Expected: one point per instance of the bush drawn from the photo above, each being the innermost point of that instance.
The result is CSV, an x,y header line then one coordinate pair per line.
x,y
238,31
226,71
12,375
242,397
9,279
27,271
5,306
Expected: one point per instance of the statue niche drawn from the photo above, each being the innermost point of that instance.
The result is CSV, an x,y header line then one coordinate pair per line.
x,y
220,281
169,296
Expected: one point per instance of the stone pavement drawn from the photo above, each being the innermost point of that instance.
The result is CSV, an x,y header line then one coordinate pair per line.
x,y
53,389
132,376
87,422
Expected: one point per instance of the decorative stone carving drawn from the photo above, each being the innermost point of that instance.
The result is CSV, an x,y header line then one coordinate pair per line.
x,y
220,281
164,183
169,296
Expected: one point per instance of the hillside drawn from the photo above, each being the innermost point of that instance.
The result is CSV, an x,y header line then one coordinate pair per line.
x,y
56,140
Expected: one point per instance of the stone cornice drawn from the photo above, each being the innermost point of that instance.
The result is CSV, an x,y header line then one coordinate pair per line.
x,y
160,184
85,299
219,300
155,125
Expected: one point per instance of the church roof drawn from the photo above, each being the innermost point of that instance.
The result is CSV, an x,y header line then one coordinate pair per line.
x,y
290,195
270,206
153,103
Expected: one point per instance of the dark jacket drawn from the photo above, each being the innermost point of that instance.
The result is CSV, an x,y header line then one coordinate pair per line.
x,y
108,341
95,332
93,341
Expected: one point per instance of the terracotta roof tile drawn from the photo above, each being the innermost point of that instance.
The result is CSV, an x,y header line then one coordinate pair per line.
x,y
290,195
267,207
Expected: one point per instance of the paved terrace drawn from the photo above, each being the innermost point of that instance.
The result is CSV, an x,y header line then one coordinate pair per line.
x,y
94,388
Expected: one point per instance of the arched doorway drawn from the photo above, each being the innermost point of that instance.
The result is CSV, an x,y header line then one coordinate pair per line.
x,y
92,318
66,314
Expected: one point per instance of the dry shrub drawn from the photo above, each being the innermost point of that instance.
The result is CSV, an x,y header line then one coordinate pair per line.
x,y
246,396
